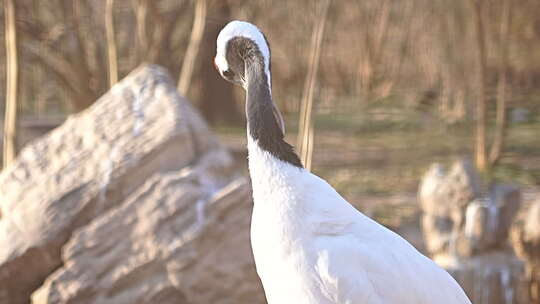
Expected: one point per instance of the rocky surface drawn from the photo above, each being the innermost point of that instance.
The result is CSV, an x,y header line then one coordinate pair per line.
x,y
443,197
526,242
180,238
130,201
458,217
30,128
466,231
494,277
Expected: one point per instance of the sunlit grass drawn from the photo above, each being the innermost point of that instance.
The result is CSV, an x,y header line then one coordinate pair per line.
x,y
382,152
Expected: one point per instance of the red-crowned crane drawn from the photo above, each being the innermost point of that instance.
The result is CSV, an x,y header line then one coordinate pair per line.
x,y
310,245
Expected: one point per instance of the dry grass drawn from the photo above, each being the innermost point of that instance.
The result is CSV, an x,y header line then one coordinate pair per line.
x,y
376,156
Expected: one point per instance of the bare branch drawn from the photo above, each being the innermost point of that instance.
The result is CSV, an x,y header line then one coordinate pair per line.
x,y
12,66
111,42
305,132
193,47
502,94
142,37
480,144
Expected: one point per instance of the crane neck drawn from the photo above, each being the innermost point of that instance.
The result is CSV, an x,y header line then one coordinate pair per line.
x,y
263,118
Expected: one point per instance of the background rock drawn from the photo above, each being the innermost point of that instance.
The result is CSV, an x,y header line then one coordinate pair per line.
x,y
458,218
490,278
84,181
30,128
526,242
443,197
466,232
180,238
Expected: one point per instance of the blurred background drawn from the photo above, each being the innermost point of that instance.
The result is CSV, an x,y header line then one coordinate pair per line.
x,y
390,88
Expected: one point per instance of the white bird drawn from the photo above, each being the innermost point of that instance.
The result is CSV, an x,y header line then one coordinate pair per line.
x,y
310,245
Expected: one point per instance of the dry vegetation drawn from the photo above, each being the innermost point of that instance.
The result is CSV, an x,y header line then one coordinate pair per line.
x,y
375,90
372,50
389,72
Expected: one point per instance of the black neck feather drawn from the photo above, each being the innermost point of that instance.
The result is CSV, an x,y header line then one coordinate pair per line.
x,y
262,124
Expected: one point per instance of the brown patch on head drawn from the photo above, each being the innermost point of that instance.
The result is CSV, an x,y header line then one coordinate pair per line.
x,y
238,51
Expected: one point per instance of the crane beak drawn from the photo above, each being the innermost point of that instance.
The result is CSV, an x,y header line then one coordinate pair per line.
x,y
217,67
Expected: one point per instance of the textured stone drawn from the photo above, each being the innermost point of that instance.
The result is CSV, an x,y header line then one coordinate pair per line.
x,y
494,277
443,197
183,237
30,128
458,218
88,165
525,237
466,232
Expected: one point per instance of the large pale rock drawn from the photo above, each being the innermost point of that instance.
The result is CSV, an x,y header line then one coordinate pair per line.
x,y
443,197
494,277
488,220
526,242
458,218
466,232
182,237
86,166
30,128
442,192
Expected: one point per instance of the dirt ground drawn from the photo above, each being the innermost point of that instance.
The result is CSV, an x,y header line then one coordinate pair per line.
x,y
376,160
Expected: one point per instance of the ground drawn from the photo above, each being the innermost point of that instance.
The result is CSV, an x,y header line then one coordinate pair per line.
x,y
376,156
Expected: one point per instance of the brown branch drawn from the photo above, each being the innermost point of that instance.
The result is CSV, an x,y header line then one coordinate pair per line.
x,y
142,37
305,132
111,43
502,94
165,24
481,102
193,47
80,56
381,30
155,37
12,66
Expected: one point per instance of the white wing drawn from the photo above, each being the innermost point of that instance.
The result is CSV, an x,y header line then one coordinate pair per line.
x,y
360,261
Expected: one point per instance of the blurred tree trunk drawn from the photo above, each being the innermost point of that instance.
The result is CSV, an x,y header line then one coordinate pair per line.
x,y
90,88
10,123
481,101
305,124
217,98
163,26
111,43
502,94
374,35
199,21
141,12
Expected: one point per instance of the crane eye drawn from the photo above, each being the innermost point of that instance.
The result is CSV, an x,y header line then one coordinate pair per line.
x,y
228,74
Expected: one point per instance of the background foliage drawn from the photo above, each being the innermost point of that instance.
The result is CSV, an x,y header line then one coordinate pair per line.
x,y
397,87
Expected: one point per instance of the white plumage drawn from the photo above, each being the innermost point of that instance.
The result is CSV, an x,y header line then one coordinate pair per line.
x,y
311,246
